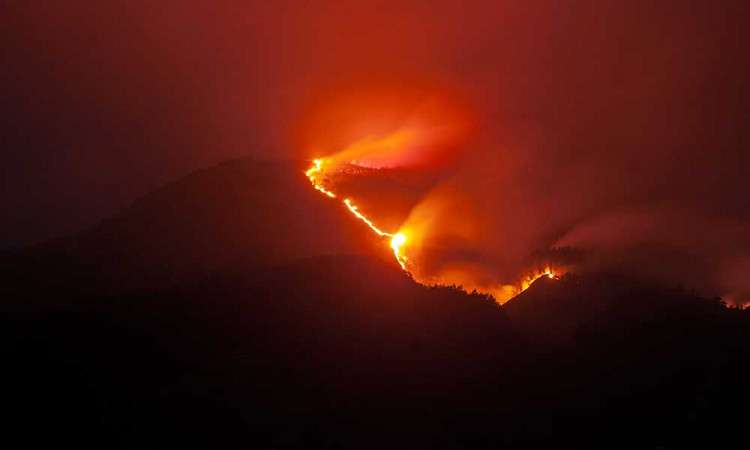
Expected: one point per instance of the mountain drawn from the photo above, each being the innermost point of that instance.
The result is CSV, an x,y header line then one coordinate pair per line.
x,y
256,212
563,310
238,307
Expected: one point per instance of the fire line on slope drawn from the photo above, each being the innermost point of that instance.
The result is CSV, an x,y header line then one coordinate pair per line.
x,y
397,240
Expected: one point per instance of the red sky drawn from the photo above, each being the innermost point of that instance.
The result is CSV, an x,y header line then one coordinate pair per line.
x,y
608,105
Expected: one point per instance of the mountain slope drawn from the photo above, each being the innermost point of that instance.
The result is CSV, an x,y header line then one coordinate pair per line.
x,y
219,312
259,212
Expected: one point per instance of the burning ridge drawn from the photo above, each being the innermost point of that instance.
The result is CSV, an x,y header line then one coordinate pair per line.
x,y
320,174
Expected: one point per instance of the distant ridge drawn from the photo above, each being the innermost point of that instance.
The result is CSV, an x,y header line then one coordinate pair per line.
x,y
259,212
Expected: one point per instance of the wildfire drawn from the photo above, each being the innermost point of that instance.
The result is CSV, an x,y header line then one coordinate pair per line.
x,y
364,219
425,131
312,172
526,282
317,174
397,240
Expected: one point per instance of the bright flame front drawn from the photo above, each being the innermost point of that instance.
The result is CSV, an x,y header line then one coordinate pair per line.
x,y
397,240
369,152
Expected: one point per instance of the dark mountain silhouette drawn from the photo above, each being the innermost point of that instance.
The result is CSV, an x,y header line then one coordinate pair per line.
x,y
222,311
258,212
561,311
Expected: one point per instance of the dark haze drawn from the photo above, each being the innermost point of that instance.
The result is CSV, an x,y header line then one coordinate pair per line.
x,y
617,127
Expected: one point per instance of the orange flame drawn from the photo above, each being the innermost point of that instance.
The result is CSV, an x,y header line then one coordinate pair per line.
x,y
312,172
364,219
530,279
397,240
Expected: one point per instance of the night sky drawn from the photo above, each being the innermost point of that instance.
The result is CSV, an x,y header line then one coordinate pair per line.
x,y
601,124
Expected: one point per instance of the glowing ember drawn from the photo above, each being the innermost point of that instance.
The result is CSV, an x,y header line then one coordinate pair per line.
x,y
529,280
398,240
364,219
313,172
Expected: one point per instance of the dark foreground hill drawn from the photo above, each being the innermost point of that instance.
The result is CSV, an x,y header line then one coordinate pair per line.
x,y
287,350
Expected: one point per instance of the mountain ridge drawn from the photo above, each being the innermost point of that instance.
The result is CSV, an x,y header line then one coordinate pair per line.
x,y
335,346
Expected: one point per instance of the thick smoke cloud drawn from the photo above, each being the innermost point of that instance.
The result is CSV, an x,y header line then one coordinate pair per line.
x,y
613,126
